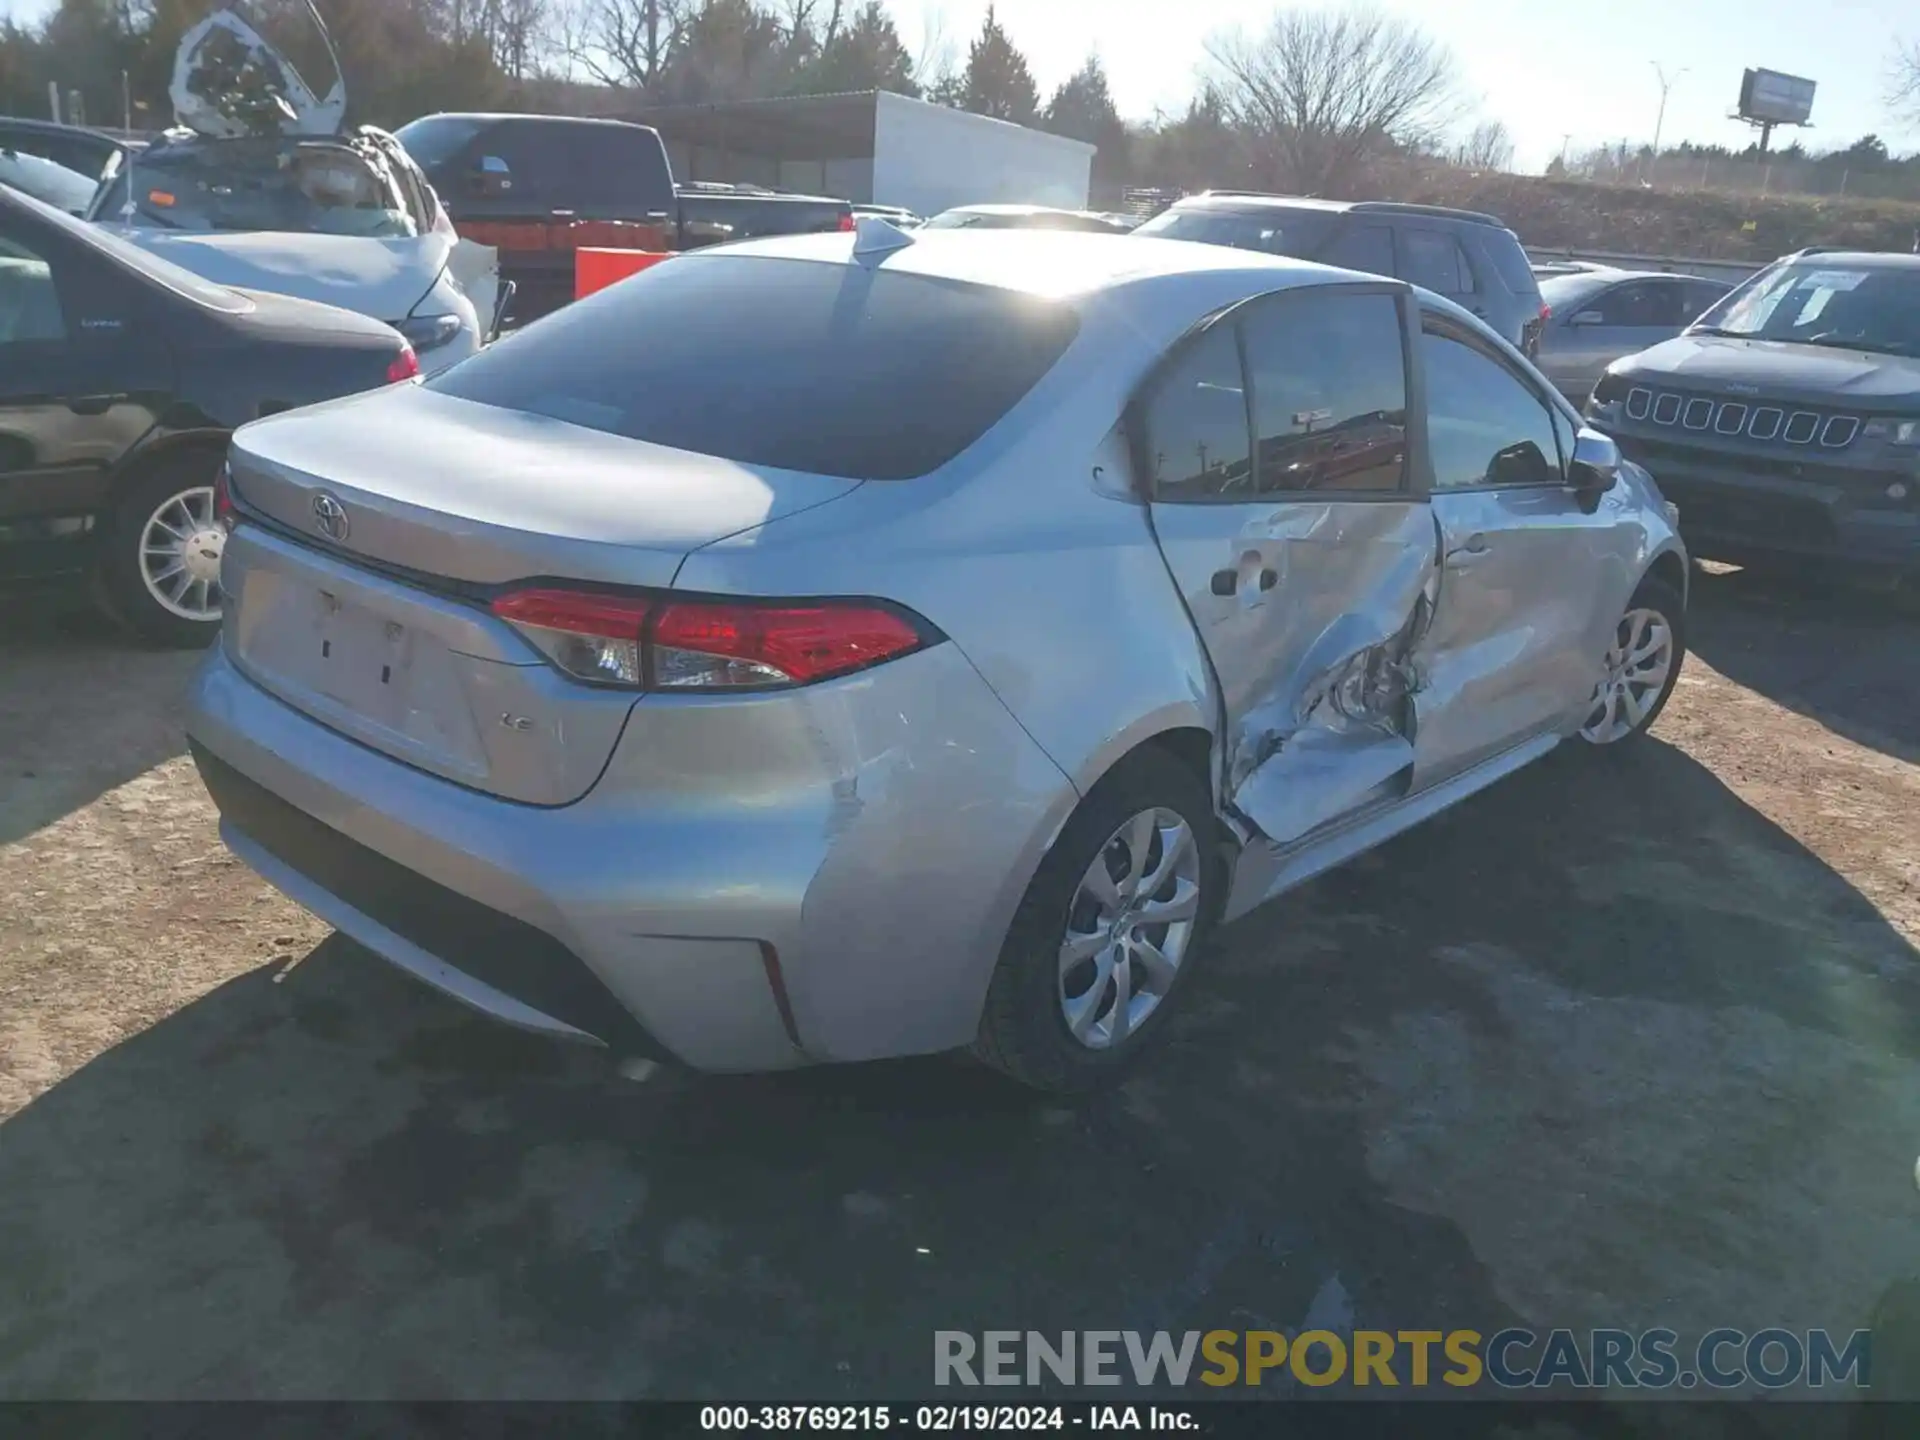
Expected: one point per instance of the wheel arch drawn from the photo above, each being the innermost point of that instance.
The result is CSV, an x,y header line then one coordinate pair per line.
x,y
1669,567
165,450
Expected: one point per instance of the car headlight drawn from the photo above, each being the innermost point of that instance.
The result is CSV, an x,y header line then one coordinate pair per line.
x,y
1892,432
429,332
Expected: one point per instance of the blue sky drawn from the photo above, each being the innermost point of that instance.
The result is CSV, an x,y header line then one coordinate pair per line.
x,y
1547,68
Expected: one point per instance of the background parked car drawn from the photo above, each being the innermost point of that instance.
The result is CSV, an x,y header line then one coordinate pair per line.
x,y
539,187
343,220
1025,217
121,377
893,214
1469,258
1599,315
1300,487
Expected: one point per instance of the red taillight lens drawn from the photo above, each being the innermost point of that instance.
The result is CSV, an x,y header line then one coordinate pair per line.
x,y
1546,313
846,222
660,643
223,497
405,366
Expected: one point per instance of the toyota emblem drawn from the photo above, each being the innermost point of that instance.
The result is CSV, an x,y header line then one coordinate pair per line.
x,y
330,517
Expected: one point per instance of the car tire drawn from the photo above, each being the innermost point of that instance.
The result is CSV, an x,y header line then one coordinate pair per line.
x,y
165,517
1631,695
1037,998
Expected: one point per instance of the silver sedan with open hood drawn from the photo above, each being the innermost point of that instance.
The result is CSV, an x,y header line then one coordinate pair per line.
x,y
923,650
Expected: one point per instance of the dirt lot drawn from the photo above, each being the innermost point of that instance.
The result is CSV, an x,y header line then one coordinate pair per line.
x,y
1611,1045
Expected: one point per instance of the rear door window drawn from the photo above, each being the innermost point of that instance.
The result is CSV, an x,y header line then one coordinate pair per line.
x,y
1195,423
1328,374
1367,248
800,365
1433,260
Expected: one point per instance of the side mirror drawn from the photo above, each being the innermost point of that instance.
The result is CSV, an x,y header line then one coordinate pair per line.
x,y
1596,465
1588,317
491,177
1521,464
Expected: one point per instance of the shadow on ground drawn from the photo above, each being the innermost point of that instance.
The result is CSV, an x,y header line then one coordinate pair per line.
x,y
1847,657
342,1184
66,670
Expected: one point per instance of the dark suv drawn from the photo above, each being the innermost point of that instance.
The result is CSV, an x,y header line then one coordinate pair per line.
x,y
1785,422
1471,259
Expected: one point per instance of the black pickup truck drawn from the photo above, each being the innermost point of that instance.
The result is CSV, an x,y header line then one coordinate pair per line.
x,y
539,187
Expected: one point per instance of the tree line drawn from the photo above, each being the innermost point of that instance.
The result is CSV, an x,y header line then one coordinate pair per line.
x,y
1322,102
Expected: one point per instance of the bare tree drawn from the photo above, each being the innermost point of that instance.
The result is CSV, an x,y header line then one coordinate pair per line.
x,y
937,64
1488,146
623,42
1322,93
1903,82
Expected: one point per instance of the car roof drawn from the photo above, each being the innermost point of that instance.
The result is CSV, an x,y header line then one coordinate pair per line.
x,y
1055,264
998,209
1263,200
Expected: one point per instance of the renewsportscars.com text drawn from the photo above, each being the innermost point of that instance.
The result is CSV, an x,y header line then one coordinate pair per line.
x,y
1512,1359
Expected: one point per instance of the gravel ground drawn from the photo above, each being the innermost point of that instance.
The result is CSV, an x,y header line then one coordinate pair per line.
x,y
1613,1044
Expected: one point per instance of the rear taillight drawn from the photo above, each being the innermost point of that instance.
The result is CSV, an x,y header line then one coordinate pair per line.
x,y
1546,313
223,510
405,366
847,223
661,642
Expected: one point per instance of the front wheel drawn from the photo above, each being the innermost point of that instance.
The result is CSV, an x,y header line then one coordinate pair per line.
x,y
1642,666
161,566
1108,932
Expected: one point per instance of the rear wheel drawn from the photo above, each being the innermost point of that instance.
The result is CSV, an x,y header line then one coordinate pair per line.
x,y
161,566
1108,932
1642,666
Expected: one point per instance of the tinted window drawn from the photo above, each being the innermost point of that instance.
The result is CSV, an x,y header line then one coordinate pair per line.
x,y
1328,376
832,369
1503,250
29,304
1702,295
1484,425
1569,294
1433,260
1276,230
1196,422
433,140
583,165
1367,248
1644,304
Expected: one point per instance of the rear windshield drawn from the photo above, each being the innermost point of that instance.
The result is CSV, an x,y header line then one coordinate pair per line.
x,y
1299,233
801,365
238,185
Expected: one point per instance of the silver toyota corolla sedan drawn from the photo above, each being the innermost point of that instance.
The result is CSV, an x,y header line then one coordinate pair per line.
x,y
849,646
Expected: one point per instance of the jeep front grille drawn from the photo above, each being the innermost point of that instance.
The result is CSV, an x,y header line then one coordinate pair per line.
x,y
1735,417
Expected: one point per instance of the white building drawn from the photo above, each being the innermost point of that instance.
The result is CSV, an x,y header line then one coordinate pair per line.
x,y
873,147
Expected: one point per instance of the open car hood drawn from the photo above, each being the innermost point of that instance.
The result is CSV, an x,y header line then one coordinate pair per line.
x,y
228,82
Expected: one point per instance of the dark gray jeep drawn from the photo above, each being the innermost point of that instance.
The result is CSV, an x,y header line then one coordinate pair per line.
x,y
1785,422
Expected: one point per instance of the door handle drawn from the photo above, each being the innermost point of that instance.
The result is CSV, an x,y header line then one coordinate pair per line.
x,y
93,404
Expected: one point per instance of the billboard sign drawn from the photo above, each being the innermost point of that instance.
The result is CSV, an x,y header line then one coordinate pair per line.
x,y
1770,98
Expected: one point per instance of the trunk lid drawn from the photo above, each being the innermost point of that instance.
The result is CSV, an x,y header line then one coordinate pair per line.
x,y
396,512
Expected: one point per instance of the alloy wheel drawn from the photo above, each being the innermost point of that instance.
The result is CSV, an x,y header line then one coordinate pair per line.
x,y
1637,669
180,547
1129,928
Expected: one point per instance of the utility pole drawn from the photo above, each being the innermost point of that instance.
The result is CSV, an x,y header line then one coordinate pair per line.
x,y
1666,84
1565,140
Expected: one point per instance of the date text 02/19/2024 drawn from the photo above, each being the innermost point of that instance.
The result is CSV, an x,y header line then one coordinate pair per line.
x,y
941,1419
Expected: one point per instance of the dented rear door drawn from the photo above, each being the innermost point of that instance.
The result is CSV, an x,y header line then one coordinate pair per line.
x,y
1277,440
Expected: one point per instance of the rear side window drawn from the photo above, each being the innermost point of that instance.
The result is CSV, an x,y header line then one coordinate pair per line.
x,y
436,139
1433,260
584,166
801,365
1195,423
1509,261
1367,248
1329,381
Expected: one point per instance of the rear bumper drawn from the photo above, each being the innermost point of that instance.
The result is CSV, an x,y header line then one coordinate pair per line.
x,y
856,914
1729,513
